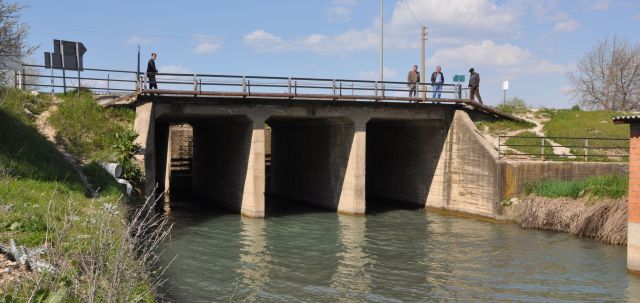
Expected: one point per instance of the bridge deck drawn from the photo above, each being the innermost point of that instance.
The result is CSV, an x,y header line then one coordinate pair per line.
x,y
328,97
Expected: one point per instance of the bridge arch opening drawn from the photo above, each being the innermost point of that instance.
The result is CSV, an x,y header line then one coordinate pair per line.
x,y
402,156
308,162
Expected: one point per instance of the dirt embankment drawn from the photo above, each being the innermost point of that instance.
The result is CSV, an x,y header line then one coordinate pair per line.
x,y
605,220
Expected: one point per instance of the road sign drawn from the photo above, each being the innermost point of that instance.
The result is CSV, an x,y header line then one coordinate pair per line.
x,y
505,85
66,55
458,78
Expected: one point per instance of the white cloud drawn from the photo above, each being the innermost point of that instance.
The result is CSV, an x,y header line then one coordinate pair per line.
x,y
372,75
138,40
453,21
598,5
506,59
485,52
263,41
206,44
340,10
470,15
566,26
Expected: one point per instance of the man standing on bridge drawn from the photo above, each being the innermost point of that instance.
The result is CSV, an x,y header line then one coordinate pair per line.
x,y
412,81
152,71
437,79
474,86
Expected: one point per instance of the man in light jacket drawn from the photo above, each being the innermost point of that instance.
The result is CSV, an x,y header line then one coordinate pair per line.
x,y
413,78
474,86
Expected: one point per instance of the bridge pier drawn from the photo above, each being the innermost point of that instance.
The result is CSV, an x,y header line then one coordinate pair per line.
x,y
352,196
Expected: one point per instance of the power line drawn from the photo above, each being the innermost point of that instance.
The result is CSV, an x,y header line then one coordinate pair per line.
x,y
412,14
207,37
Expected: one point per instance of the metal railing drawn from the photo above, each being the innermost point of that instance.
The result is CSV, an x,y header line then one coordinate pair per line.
x,y
580,148
110,80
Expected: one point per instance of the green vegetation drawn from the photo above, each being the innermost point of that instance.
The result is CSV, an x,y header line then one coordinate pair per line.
x,y
96,251
599,186
504,126
535,142
86,129
514,105
589,124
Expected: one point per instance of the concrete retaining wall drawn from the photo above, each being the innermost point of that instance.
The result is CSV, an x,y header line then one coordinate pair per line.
x,y
467,175
470,178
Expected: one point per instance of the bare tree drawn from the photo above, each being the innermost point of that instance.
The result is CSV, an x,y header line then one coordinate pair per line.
x,y
608,77
13,40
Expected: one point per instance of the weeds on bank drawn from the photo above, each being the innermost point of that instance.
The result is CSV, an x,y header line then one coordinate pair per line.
x,y
100,252
504,126
613,186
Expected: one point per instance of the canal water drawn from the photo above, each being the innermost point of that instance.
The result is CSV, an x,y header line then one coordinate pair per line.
x,y
390,256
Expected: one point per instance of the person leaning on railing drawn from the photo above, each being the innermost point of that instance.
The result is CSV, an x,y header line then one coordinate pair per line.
x,y
152,71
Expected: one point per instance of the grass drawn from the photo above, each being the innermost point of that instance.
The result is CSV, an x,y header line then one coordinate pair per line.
x,y
504,126
87,130
589,124
613,186
532,139
43,202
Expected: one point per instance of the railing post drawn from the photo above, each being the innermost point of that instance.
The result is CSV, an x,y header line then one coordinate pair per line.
x,y
340,89
376,89
244,85
586,150
108,84
542,148
249,87
24,79
382,87
295,88
15,78
195,82
20,79
289,85
333,85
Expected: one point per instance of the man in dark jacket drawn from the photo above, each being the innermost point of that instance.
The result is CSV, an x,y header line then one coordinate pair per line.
x,y
474,86
152,71
437,79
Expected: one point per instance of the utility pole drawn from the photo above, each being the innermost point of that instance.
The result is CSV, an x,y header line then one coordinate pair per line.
x,y
382,41
423,79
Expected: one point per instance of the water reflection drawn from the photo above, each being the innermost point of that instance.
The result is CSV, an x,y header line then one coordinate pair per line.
x,y
255,259
351,278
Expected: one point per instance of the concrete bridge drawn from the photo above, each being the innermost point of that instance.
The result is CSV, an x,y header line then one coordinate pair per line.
x,y
325,151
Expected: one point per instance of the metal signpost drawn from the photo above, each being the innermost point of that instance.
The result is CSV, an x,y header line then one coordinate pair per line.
x,y
67,55
505,88
458,80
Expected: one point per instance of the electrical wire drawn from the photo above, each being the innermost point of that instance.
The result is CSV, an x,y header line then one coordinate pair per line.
x,y
406,2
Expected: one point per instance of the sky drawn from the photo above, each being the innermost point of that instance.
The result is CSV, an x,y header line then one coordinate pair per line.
x,y
531,43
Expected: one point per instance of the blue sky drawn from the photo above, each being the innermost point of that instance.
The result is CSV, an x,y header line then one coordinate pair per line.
x,y
532,43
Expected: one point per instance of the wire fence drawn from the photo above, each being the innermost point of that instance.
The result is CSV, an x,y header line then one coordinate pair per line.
x,y
591,149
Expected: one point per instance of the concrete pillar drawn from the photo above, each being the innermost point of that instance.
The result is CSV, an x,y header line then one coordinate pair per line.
x,y
144,126
352,196
161,142
254,183
633,227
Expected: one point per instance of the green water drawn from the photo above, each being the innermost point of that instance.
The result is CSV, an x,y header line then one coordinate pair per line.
x,y
394,256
